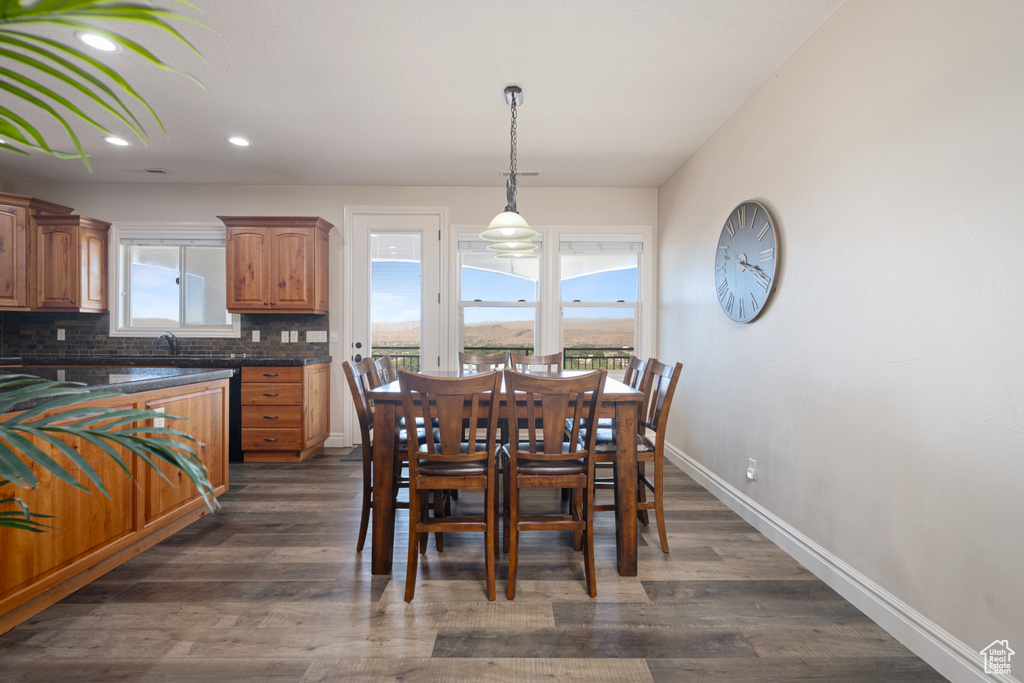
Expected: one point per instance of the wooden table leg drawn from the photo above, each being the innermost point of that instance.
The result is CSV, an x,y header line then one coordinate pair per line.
x,y
383,545
625,488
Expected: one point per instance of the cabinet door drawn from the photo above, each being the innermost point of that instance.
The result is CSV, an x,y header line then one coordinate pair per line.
x,y
248,262
58,267
13,280
94,270
291,269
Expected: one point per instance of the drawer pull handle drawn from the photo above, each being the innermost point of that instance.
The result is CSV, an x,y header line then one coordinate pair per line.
x,y
270,394
270,439
270,374
270,417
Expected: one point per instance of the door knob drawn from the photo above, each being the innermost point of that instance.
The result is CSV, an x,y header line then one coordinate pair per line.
x,y
358,357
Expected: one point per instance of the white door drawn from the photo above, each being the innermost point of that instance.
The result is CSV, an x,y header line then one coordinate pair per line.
x,y
393,290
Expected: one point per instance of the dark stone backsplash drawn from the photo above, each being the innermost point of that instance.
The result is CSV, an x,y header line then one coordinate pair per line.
x,y
30,335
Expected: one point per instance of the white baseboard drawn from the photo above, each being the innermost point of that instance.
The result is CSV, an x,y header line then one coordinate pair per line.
x,y
335,441
941,650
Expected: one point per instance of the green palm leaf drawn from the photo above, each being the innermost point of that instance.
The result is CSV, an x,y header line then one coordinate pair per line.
x,y
31,65
108,429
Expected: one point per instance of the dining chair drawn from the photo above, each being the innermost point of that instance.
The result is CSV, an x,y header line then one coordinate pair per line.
x,y
445,461
361,378
552,362
471,364
384,369
658,385
547,460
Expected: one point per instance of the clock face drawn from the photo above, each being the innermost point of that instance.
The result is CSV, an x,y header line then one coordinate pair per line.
x,y
746,262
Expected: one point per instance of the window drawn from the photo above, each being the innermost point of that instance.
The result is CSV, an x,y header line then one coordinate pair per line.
x,y
599,288
172,280
499,299
585,298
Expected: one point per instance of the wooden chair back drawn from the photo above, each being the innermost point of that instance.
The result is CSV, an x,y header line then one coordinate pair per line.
x,y
385,370
470,364
634,372
552,362
447,400
361,378
560,401
659,385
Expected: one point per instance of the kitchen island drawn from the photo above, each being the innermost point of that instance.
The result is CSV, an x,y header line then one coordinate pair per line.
x,y
94,533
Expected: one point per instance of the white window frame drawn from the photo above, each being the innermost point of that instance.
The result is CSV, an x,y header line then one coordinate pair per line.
x,y
171,234
548,335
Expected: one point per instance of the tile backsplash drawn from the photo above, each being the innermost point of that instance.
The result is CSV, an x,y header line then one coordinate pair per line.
x,y
35,334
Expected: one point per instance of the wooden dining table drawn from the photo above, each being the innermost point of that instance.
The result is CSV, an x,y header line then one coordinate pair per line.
x,y
619,401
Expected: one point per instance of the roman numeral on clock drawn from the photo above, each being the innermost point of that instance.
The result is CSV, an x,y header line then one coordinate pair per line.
x,y
764,230
767,254
742,314
753,303
732,230
729,303
723,288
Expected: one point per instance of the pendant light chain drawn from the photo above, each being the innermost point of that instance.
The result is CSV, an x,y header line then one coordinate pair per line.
x,y
512,163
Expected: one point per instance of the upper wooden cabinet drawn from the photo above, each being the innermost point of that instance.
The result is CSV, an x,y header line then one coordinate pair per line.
x,y
71,261
18,231
277,264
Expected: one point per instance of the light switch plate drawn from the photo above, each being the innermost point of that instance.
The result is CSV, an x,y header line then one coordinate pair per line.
x,y
316,336
334,335
159,421
255,335
60,334
284,336
295,335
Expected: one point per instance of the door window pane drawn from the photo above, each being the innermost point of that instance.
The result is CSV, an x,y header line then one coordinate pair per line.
x,y
499,329
396,286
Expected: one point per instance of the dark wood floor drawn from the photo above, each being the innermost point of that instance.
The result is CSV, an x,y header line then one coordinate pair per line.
x,y
271,589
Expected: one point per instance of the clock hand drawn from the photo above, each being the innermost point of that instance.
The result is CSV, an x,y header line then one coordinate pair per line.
x,y
758,274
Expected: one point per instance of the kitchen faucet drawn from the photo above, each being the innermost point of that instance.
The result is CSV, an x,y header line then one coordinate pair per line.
x,y
172,342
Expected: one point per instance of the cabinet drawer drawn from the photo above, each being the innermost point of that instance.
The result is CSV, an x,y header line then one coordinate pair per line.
x,y
271,439
260,394
265,374
272,417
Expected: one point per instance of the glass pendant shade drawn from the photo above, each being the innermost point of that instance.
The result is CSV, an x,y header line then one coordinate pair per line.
x,y
517,254
508,226
512,245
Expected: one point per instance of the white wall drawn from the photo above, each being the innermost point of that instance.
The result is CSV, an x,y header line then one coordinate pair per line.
x,y
882,392
467,206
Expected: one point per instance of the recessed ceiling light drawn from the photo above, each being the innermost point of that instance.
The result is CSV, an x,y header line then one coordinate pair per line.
x,y
97,41
240,141
120,142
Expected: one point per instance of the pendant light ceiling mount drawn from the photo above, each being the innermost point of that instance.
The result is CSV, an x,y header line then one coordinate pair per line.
x,y
508,226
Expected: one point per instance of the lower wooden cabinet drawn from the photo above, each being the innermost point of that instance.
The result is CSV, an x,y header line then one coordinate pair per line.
x,y
285,412
95,534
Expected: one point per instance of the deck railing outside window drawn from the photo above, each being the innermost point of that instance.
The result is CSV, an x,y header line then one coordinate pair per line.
x,y
590,358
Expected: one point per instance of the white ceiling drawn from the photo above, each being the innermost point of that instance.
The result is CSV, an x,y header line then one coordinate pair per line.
x,y
618,93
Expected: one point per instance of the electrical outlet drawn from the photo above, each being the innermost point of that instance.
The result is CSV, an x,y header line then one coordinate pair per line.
x,y
255,335
334,336
60,334
295,335
751,469
316,336
284,336
159,421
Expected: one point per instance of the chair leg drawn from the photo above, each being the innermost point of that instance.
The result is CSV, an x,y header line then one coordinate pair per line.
x,y
590,570
513,535
575,509
411,567
490,538
659,507
364,518
422,515
507,517
498,515
641,494
439,511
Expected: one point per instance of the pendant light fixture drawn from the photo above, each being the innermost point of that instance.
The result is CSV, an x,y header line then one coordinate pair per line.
x,y
509,233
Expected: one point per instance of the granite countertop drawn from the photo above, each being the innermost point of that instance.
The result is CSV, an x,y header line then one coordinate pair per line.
x,y
155,360
125,380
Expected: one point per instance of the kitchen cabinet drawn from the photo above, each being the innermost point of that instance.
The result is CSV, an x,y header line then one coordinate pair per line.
x,y
285,412
277,264
94,533
71,254
18,266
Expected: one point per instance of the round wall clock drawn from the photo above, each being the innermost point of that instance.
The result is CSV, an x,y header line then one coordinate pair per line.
x,y
746,262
